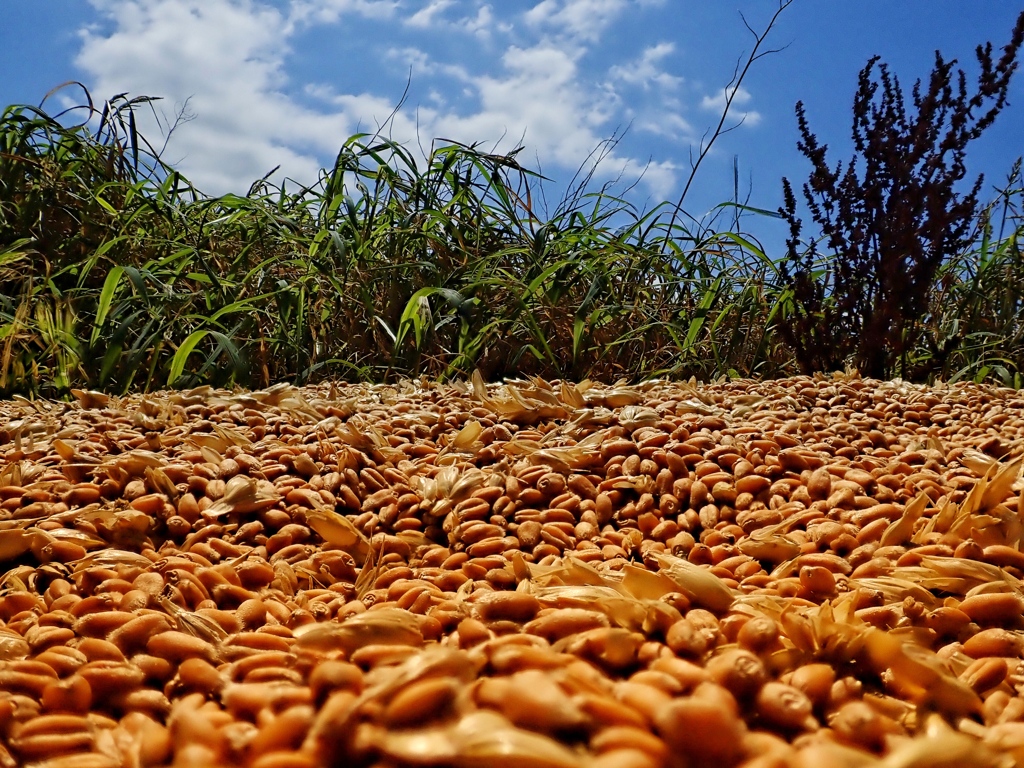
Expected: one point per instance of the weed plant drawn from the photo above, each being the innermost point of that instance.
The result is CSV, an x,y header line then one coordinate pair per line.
x,y
897,229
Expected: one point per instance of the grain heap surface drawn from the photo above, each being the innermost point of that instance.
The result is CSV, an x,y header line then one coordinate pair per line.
x,y
807,572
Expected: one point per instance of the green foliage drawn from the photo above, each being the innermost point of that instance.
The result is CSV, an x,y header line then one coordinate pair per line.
x,y
116,273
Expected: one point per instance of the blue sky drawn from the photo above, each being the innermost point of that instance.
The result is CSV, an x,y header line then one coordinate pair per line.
x,y
284,82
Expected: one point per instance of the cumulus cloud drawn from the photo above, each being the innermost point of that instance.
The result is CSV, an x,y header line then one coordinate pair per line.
x,y
535,98
226,60
230,60
652,93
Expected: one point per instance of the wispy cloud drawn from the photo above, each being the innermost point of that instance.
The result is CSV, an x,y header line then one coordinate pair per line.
x,y
670,125
652,94
646,71
479,21
483,24
717,103
329,11
426,17
582,19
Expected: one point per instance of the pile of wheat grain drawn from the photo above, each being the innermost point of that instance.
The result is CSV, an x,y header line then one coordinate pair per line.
x,y
811,572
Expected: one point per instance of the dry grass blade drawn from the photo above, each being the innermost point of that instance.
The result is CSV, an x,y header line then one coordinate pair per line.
x,y
242,495
89,399
192,623
920,675
1001,484
946,749
903,528
338,530
697,583
484,741
386,626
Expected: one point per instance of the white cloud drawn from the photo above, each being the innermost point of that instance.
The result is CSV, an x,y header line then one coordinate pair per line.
x,y
329,11
483,23
581,19
716,103
480,24
230,59
646,70
651,93
420,64
425,17
226,59
670,125
537,98
417,60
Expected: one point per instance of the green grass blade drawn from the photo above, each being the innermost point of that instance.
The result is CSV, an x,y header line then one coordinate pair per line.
x,y
181,356
103,307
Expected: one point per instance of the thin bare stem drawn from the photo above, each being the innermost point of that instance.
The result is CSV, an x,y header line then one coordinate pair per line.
x,y
731,89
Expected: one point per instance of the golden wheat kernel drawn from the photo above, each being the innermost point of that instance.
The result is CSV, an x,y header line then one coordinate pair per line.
x,y
44,745
285,732
985,674
199,675
658,679
284,759
646,700
421,701
817,580
96,649
133,634
993,642
41,637
626,757
706,733
785,706
472,632
332,675
859,724
815,680
107,678
739,671
96,604
69,695
1001,607
177,646
604,710
622,737
241,668
153,668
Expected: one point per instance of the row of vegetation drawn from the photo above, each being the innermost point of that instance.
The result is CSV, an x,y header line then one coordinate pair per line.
x,y
118,274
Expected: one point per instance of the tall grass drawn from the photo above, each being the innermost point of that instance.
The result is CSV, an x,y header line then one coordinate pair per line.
x,y
118,274
976,326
